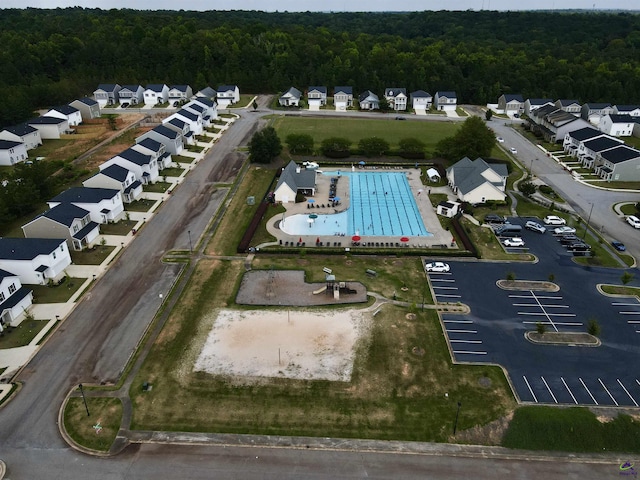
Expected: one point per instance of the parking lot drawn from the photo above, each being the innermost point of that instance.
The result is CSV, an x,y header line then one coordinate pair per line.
x,y
494,330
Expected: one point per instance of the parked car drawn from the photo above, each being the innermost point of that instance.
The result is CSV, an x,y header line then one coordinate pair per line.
x,y
500,139
554,220
633,221
124,105
568,239
579,247
494,218
564,230
513,242
400,118
618,246
508,230
534,226
513,150
439,267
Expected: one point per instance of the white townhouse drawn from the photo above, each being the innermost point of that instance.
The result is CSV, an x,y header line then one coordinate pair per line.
x,y
227,95
618,125
181,128
199,110
621,163
510,104
144,167
573,140
22,133
157,150
171,139
343,98
50,127
316,97
107,94
588,150
65,221
14,300
119,178
421,101
36,261
131,95
88,107
103,204
570,106
396,98
193,120
532,104
179,94
12,152
633,110
67,112
445,101
210,108
156,93
593,112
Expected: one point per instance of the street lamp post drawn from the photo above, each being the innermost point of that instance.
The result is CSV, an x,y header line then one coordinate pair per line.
x,y
84,399
190,245
588,220
455,424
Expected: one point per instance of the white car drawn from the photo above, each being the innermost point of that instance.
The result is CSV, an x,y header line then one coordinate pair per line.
x,y
554,220
564,230
439,267
500,139
513,150
513,242
534,226
633,221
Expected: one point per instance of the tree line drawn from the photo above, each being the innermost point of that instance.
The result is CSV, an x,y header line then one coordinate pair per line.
x,y
49,57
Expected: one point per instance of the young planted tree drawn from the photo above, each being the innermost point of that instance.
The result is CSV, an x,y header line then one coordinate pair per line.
x,y
264,146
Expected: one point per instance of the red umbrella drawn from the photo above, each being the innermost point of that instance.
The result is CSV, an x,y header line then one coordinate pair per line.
x,y
318,240
356,238
404,239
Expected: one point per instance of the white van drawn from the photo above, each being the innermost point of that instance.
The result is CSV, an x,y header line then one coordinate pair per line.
x,y
633,221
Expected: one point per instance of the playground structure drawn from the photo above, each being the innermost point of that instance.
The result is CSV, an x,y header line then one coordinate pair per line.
x,y
332,286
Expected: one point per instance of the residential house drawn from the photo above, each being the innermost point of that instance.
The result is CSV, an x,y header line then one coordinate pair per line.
x,y
396,98
532,104
179,94
593,112
569,106
633,110
290,98
207,92
66,221
342,98
573,140
294,180
12,152
67,112
190,118
119,178
316,97
143,166
554,123
617,125
157,150
36,261
14,300
477,181
620,164
589,150
107,94
171,139
89,108
421,101
131,95
174,123
369,101
227,95
103,204
511,103
207,108
156,93
22,133
50,127
445,101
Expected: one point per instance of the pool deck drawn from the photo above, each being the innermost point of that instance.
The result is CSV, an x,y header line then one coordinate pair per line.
x,y
428,213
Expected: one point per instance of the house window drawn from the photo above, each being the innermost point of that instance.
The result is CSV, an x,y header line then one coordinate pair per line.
x,y
75,229
1,296
12,288
54,255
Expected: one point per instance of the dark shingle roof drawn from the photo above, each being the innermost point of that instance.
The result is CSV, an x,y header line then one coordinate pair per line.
x,y
4,274
539,101
132,88
156,87
107,87
7,144
565,102
65,109
85,195
151,144
46,121
135,157
627,108
27,248
446,94
166,132
394,92
509,97
88,101
305,179
116,172
320,89
620,118
601,143
420,94
585,133
203,100
84,231
181,88
65,213
177,122
620,154
597,106
21,130
226,88
367,93
345,90
187,114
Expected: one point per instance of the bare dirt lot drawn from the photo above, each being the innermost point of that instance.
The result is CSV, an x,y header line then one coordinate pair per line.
x,y
281,343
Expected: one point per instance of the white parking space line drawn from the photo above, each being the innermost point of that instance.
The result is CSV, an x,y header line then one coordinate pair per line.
x,y
435,287
465,341
630,313
545,314
536,305
622,304
633,321
588,391
547,385
468,352
448,296
530,389
443,280
563,324
544,297
458,321
607,390
638,382
627,392
462,331
438,273
569,390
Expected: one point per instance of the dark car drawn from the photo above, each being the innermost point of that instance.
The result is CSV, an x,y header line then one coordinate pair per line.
x,y
569,239
493,218
578,247
618,246
400,118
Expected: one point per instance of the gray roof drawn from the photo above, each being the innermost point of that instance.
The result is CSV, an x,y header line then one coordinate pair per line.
x,y
132,88
88,101
368,94
306,179
107,87
467,174
545,110
513,96
596,106
620,154
65,213
135,157
320,89
601,143
226,88
151,144
181,88
447,94
420,94
539,101
585,133
27,248
7,144
116,172
560,117
208,92
21,130
46,121
156,87
203,100
177,122
294,92
345,90
85,195
565,103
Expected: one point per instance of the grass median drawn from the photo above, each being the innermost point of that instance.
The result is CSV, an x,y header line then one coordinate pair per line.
x,y
95,431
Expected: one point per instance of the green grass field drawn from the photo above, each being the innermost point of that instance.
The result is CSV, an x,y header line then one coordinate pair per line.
x,y
105,412
356,129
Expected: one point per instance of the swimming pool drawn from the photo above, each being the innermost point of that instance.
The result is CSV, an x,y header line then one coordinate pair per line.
x,y
381,204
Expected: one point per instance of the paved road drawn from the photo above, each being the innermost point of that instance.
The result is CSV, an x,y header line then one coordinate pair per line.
x,y
96,340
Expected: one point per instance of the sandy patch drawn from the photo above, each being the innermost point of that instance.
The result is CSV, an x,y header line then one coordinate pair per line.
x,y
286,344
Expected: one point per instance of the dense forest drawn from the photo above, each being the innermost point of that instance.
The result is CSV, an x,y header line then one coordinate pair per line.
x,y
48,57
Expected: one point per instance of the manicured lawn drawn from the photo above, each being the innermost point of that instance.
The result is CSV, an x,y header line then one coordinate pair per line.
x,y
629,209
92,256
158,187
194,148
571,430
121,228
620,290
617,185
142,205
182,159
356,129
58,293
105,412
172,172
22,334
